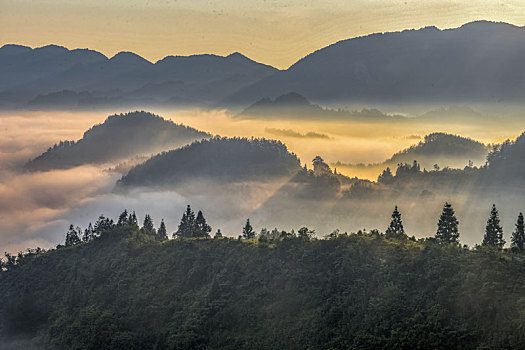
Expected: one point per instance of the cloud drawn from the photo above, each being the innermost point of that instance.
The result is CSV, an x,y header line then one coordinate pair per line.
x,y
292,133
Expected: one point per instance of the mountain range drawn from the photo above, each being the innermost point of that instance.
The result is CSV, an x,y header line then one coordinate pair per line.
x,y
477,62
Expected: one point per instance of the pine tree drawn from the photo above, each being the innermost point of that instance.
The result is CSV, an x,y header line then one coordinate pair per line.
x,y
132,219
447,232
88,233
493,231
72,237
202,228
147,226
218,234
518,236
247,231
123,218
101,225
187,224
395,230
162,234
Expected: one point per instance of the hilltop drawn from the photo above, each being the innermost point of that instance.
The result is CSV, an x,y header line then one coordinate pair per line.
x,y
121,136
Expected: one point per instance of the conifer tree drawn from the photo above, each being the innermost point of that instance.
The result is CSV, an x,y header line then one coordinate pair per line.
x,y
72,237
88,233
162,234
147,226
202,228
395,230
101,225
247,231
518,236
218,234
123,218
187,224
447,232
132,219
493,231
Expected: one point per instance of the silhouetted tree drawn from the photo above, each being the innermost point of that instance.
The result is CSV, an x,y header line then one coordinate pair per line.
x,y
218,234
162,234
247,231
102,224
386,177
395,229
447,231
518,236
88,233
493,231
202,228
147,226
132,219
123,218
187,224
305,233
72,237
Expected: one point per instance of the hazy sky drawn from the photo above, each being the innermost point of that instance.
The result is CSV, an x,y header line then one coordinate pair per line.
x,y
277,32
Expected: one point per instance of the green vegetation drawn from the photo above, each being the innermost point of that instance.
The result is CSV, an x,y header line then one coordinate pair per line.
x,y
131,288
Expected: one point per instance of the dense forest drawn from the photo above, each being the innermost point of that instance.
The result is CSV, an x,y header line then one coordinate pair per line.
x,y
116,285
120,137
218,159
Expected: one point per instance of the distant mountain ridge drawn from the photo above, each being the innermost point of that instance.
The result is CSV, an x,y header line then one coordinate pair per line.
x,y
479,61
31,74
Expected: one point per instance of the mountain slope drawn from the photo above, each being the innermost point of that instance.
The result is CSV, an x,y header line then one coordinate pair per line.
x,y
479,61
119,137
217,159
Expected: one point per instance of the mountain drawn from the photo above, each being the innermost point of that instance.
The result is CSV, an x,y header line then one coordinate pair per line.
x,y
120,137
127,290
217,159
29,74
479,61
294,105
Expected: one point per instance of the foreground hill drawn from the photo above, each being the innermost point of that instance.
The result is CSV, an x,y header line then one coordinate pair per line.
x,y
121,136
55,77
217,159
479,61
126,290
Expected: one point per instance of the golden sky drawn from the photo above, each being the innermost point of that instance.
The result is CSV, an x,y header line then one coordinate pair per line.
x,y
276,32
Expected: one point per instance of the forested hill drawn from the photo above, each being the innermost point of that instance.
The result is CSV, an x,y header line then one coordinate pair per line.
x,y
129,290
121,136
218,159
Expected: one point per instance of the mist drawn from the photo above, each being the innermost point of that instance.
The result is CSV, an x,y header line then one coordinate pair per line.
x,y
37,208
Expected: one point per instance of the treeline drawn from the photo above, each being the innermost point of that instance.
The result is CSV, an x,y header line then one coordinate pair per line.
x,y
195,226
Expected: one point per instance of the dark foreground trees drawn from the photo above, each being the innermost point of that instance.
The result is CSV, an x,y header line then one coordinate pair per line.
x,y
126,290
493,231
447,232
395,230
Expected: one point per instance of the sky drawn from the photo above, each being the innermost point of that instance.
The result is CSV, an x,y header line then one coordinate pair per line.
x,y
275,32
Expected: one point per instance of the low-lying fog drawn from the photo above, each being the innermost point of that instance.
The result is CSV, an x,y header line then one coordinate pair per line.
x,y
37,208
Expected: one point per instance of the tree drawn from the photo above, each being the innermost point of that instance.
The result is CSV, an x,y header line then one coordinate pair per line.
x,y
123,218
132,219
162,234
395,230
218,234
305,233
447,232
88,233
187,224
202,228
102,225
72,236
518,236
147,226
247,231
493,231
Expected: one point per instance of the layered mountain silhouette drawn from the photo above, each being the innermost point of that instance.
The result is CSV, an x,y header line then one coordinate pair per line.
x,y
479,61
120,137
294,105
218,159
41,77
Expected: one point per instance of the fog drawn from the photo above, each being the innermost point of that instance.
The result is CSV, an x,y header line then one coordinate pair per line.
x,y
37,208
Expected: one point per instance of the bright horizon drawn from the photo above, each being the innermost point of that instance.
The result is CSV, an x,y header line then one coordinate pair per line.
x,y
277,33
